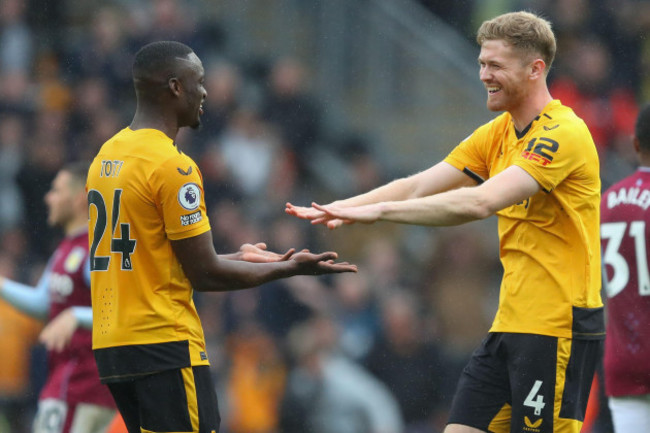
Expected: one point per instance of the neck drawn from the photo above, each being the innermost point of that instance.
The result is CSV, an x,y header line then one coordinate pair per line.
x,y
644,160
151,118
526,112
76,226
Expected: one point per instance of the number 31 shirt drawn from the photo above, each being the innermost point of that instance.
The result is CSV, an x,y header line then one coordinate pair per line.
x,y
625,231
142,193
549,243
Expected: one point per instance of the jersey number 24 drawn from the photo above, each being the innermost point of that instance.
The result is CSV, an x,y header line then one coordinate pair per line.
x,y
123,245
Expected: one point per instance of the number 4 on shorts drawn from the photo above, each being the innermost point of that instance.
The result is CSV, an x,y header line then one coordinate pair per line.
x,y
535,400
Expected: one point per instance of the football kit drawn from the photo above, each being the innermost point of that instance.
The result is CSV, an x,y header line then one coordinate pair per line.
x,y
550,252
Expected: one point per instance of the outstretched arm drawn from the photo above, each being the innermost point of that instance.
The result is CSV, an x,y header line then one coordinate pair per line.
x,y
33,301
459,206
208,272
439,178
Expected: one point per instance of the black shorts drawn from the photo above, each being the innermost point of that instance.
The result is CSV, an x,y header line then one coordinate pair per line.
x,y
180,400
526,383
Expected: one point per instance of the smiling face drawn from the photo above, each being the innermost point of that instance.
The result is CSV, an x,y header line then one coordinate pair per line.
x,y
505,75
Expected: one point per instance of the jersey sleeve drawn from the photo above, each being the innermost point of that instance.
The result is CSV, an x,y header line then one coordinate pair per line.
x,y
178,187
553,152
470,155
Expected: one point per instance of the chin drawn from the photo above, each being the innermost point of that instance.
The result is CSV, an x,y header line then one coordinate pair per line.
x,y
493,106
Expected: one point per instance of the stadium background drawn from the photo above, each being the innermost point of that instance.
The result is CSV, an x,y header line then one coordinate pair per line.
x,y
308,100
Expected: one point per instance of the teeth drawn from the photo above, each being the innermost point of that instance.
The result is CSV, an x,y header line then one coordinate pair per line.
x,y
492,89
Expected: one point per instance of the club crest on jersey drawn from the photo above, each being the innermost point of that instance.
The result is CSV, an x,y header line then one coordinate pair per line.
x,y
189,196
74,259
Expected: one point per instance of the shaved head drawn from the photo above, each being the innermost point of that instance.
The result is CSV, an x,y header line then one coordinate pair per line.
x,y
155,63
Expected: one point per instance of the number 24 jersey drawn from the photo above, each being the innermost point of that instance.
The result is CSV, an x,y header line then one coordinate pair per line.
x,y
142,193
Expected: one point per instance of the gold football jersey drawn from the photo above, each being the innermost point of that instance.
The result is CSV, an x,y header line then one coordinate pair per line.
x,y
549,243
142,193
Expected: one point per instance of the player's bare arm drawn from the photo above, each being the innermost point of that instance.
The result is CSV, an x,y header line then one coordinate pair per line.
x,y
458,206
439,178
207,272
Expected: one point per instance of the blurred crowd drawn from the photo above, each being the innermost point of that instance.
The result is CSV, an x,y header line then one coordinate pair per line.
x,y
378,351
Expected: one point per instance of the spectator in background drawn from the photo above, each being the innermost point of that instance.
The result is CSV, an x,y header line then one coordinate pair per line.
x,y
16,38
45,154
328,393
410,365
12,140
355,309
256,160
296,113
608,109
225,83
256,380
625,231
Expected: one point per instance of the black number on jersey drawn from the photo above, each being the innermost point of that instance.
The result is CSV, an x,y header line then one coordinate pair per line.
x,y
542,146
123,245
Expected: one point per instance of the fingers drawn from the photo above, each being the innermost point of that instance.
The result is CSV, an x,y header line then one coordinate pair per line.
x,y
287,255
338,267
260,245
52,341
324,257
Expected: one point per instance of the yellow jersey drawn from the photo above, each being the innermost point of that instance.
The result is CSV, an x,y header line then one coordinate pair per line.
x,y
142,193
549,243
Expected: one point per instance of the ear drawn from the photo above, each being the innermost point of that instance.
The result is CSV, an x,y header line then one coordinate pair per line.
x,y
637,145
175,86
537,69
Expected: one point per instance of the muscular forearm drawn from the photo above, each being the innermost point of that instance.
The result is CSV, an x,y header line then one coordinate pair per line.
x,y
437,179
396,190
236,275
445,209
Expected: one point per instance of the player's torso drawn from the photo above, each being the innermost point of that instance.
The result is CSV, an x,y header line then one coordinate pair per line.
x,y
549,241
140,293
625,231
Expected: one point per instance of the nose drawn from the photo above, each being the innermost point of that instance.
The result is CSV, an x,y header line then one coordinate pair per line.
x,y
484,74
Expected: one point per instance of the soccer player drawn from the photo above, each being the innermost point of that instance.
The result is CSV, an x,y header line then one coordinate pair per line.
x,y
625,230
536,167
72,399
151,245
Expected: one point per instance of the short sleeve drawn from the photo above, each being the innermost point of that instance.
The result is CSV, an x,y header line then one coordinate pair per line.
x,y
470,154
550,155
178,187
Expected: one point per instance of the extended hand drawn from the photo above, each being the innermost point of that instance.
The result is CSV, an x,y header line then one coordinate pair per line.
x,y
314,215
336,216
57,334
258,254
318,264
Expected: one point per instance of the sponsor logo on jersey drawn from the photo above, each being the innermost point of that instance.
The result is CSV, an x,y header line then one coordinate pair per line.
x,y
549,128
61,286
183,172
189,196
204,356
74,259
192,218
532,426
